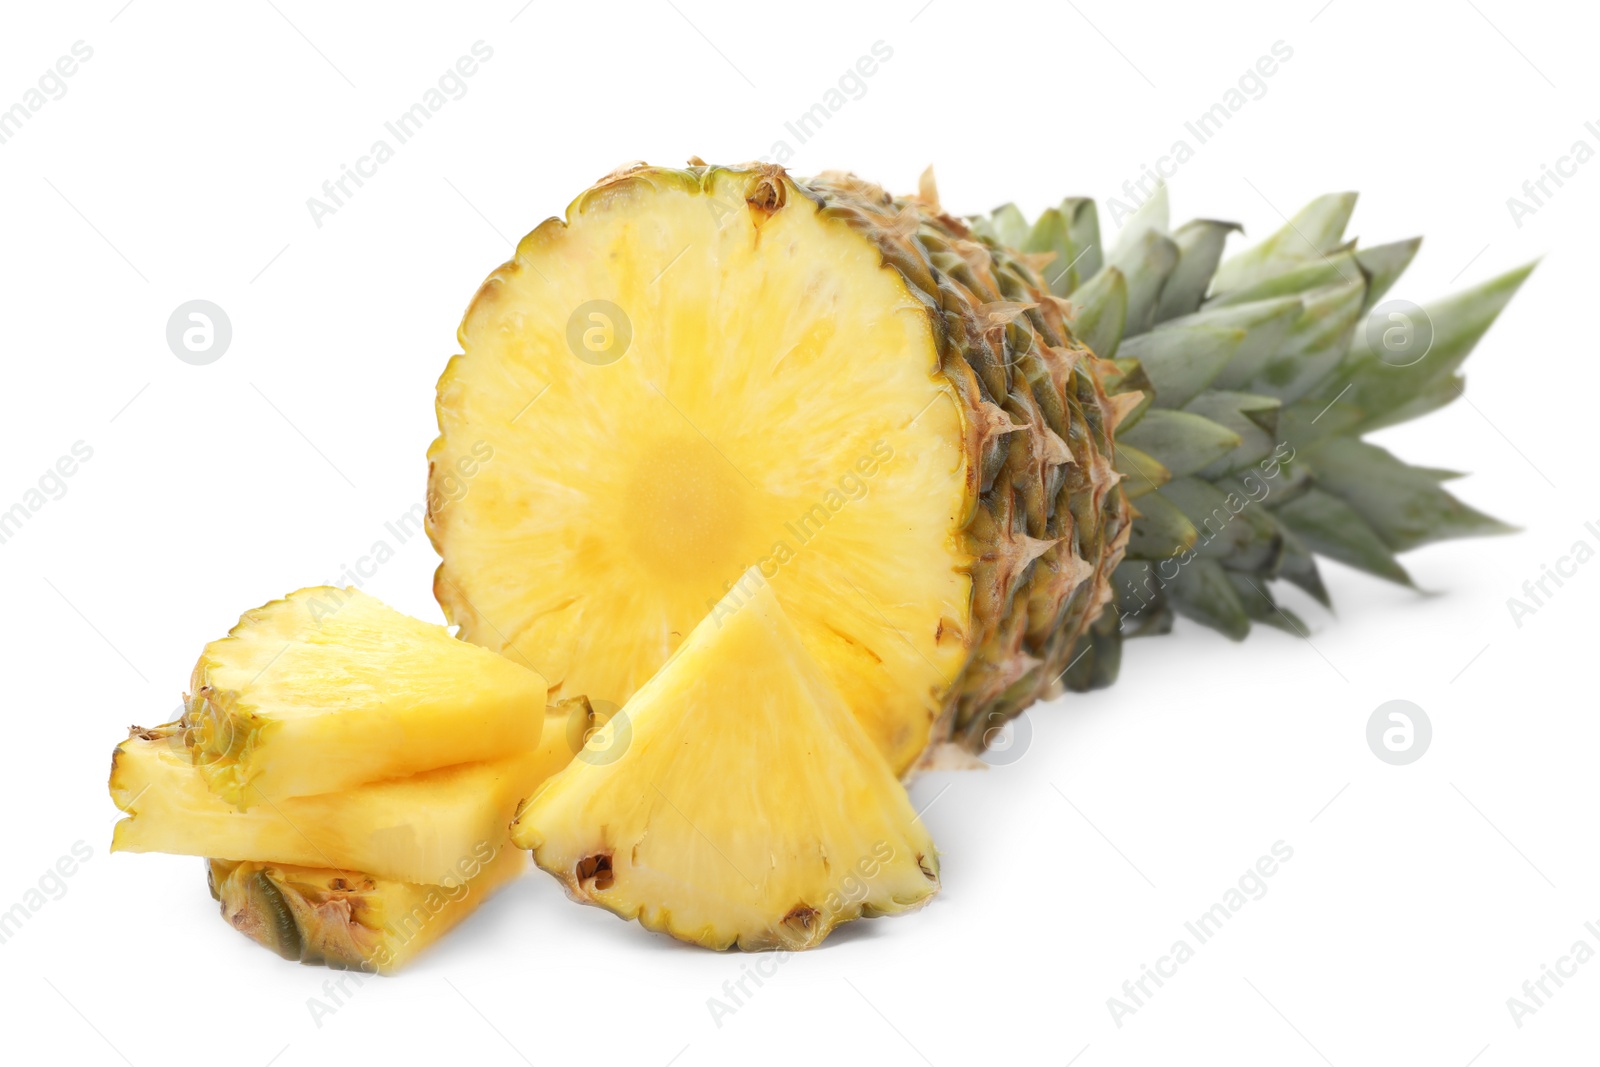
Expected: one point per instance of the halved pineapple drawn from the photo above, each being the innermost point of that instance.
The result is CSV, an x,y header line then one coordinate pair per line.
x,y
352,920
411,829
328,689
747,806
700,372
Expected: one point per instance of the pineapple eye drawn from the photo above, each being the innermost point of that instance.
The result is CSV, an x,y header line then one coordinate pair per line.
x,y
800,919
596,869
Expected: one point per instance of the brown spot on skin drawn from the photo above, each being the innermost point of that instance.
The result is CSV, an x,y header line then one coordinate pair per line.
x,y
339,885
768,195
800,918
923,867
596,869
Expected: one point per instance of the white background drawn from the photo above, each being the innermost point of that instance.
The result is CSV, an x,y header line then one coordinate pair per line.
x,y
177,166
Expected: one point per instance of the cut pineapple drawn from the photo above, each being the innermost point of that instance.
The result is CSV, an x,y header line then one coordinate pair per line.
x,y
780,403
412,829
352,920
328,689
919,427
748,807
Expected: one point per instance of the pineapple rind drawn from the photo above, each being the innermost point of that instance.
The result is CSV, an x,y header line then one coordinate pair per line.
x,y
351,920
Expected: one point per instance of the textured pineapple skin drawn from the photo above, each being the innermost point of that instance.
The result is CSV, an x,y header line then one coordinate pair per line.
x,y
1050,522
349,920
1043,521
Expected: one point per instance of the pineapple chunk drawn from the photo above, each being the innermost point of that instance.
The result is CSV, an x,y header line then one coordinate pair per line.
x,y
771,394
351,920
328,689
747,808
409,829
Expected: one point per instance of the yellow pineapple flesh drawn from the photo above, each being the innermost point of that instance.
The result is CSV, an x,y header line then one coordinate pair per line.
x,y
328,689
747,807
756,389
410,829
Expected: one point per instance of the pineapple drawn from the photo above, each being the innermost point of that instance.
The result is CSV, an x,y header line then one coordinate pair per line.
x,y
747,808
409,829
352,920
961,451
329,689
388,759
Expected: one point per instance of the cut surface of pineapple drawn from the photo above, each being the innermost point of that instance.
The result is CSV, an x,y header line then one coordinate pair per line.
x,y
411,829
351,920
328,689
747,806
686,379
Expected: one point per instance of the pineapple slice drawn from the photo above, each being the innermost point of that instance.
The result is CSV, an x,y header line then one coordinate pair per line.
x,y
410,829
350,920
328,689
678,385
747,806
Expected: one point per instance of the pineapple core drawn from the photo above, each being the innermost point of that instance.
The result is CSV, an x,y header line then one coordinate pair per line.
x,y
679,383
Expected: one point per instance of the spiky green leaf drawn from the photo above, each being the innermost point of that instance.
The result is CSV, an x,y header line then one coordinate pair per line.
x,y
1182,360
1329,526
1160,530
1201,591
1405,505
1199,250
1181,441
1100,309
1311,235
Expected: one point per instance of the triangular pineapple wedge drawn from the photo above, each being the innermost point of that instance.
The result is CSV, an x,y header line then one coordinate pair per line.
x,y
329,688
411,829
747,806
351,920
